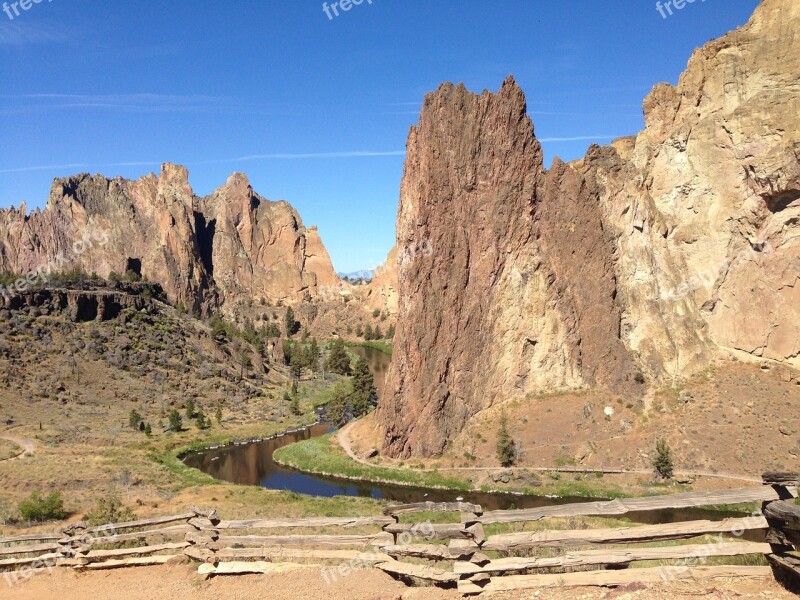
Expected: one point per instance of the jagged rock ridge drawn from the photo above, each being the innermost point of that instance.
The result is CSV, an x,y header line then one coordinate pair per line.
x,y
228,249
642,262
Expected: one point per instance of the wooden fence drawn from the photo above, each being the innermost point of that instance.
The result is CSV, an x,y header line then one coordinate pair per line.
x,y
458,555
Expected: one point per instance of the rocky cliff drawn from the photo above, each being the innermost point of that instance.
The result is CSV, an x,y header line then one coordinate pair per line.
x,y
640,263
223,251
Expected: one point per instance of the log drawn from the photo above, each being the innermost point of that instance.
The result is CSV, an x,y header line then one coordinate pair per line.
x,y
28,549
380,539
95,539
140,523
427,551
139,561
783,515
621,535
281,553
402,569
477,533
311,522
433,507
627,505
14,562
442,531
248,568
615,556
783,537
200,554
32,537
201,523
611,578
781,478
201,539
786,570
209,513
104,554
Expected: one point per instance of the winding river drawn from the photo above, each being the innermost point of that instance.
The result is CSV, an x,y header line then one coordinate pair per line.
x,y
252,464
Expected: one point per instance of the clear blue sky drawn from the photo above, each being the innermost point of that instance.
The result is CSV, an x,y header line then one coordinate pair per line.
x,y
120,86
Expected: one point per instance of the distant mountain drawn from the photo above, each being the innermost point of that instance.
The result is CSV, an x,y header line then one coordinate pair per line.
x,y
362,274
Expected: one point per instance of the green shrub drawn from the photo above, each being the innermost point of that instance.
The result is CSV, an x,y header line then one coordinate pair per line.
x,y
506,451
109,510
38,509
662,461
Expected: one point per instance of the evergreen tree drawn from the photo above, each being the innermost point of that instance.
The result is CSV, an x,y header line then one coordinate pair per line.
x,y
338,360
368,335
390,332
363,388
336,408
218,416
294,406
148,431
378,335
134,419
662,461
313,354
175,421
190,408
201,421
505,445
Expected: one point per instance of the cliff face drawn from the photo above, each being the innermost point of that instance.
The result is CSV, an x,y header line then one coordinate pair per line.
x,y
227,249
641,262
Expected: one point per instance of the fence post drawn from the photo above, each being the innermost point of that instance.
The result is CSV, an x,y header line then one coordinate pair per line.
x,y
204,522
783,534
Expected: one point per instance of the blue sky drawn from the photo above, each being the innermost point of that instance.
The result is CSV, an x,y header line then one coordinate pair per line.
x,y
315,110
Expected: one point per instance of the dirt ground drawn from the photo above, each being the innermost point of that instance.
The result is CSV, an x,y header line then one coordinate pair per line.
x,y
178,582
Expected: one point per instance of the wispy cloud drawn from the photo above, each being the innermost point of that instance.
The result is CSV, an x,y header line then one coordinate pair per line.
x,y
124,102
13,34
44,168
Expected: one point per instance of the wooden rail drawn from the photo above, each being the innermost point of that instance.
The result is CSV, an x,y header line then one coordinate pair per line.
x,y
457,554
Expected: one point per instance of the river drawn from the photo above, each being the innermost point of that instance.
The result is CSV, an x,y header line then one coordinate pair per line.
x,y
252,464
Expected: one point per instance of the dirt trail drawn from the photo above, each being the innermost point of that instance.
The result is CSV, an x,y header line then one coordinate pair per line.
x,y
28,446
343,438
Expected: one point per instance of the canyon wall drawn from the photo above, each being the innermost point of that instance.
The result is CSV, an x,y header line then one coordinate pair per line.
x,y
224,251
638,264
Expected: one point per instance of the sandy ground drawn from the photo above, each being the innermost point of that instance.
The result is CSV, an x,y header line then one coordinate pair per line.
x,y
181,581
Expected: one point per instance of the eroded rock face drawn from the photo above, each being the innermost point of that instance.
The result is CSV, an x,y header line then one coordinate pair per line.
x,y
641,262
226,250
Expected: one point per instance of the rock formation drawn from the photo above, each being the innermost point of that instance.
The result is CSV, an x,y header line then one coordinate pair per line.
x,y
222,251
640,263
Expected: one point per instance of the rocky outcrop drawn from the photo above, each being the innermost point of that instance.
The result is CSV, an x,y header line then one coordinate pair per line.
x,y
640,263
222,251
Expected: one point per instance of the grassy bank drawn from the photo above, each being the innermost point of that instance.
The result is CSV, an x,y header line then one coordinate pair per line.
x,y
383,346
324,456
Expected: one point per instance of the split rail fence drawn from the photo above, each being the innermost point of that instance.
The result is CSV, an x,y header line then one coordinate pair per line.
x,y
465,555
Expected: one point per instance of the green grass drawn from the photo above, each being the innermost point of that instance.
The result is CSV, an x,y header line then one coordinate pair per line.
x,y
383,346
320,455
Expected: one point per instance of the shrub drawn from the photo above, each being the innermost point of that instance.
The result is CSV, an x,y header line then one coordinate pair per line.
x,y
175,421
39,509
134,419
662,462
109,510
506,451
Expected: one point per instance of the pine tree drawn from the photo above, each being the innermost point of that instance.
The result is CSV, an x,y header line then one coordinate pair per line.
x,y
175,421
313,354
338,360
662,462
294,406
363,388
190,408
134,419
148,431
218,416
368,334
390,332
336,408
505,445
290,322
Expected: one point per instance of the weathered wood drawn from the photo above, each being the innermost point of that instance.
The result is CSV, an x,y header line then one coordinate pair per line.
x,y
626,505
139,561
433,507
278,553
477,533
783,537
18,562
442,531
201,554
28,549
310,522
140,523
104,554
98,537
786,570
208,513
621,535
247,568
201,523
403,569
783,514
32,537
614,556
611,578
380,539
781,478
201,538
